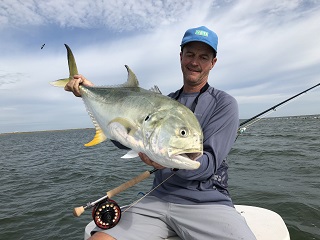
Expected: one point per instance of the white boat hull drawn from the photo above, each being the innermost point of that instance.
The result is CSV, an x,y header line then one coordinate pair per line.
x,y
264,223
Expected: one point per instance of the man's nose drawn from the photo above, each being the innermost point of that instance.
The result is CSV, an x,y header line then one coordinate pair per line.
x,y
194,61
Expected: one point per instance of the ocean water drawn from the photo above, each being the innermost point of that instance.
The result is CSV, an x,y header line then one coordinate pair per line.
x,y
275,164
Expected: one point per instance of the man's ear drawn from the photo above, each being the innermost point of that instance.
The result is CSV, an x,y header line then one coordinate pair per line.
x,y
213,62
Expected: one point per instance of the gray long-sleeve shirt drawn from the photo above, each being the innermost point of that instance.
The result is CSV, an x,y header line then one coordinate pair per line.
x,y
217,113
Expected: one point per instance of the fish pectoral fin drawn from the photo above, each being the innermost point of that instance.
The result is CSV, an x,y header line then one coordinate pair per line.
x,y
98,138
130,128
130,154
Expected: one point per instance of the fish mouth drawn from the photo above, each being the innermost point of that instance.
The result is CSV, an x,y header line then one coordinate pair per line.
x,y
187,160
192,156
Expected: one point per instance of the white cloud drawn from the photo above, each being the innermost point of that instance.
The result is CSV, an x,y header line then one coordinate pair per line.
x,y
120,15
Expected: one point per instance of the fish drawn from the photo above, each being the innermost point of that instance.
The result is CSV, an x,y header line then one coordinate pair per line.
x,y
142,120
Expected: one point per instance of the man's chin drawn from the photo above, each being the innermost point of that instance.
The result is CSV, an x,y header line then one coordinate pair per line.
x,y
193,80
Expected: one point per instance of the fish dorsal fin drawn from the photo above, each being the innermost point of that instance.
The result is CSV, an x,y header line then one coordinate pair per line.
x,y
132,80
155,89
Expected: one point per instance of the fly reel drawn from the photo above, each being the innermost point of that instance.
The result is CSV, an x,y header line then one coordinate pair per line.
x,y
106,214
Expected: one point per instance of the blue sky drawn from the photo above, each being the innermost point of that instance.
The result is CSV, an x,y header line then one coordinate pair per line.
x,y
268,51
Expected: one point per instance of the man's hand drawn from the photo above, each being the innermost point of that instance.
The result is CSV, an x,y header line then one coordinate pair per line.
x,y
149,162
73,84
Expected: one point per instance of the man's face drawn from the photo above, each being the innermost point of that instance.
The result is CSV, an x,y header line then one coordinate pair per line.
x,y
196,61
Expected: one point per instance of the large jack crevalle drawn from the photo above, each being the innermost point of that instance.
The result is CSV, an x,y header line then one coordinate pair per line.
x,y
143,120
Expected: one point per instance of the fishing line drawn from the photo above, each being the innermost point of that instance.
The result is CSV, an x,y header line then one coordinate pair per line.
x,y
135,202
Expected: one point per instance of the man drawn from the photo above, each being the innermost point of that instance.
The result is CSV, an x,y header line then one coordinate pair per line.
x,y
193,204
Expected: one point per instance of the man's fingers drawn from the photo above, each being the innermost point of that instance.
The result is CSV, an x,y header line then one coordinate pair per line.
x,y
73,86
149,162
76,89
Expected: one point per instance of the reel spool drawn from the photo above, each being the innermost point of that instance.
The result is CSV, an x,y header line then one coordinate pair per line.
x,y
106,214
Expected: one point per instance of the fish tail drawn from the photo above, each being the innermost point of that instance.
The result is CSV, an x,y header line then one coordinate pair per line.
x,y
73,70
60,83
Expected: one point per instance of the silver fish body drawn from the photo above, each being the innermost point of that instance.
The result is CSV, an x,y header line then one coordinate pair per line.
x,y
142,120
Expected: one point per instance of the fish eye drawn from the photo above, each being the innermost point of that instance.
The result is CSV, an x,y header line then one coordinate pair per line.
x,y
183,132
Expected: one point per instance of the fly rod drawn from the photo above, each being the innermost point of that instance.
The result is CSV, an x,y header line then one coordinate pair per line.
x,y
241,130
79,210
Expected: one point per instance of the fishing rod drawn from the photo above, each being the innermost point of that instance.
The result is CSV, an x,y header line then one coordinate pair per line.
x,y
242,129
106,213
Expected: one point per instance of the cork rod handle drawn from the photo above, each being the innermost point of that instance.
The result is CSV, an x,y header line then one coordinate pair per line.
x,y
128,184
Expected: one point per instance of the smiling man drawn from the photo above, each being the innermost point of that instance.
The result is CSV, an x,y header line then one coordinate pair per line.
x,y
191,204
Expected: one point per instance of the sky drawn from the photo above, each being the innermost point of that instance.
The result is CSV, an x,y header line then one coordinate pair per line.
x,y
268,51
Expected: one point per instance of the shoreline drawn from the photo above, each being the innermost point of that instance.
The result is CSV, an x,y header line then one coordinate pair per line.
x,y
312,116
40,131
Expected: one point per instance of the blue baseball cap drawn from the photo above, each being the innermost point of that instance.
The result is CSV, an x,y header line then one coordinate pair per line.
x,y
201,34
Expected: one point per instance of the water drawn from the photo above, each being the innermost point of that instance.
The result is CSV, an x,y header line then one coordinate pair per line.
x,y
275,164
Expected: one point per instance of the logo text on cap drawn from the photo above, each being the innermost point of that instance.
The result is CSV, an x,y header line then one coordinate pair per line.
x,y
201,33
